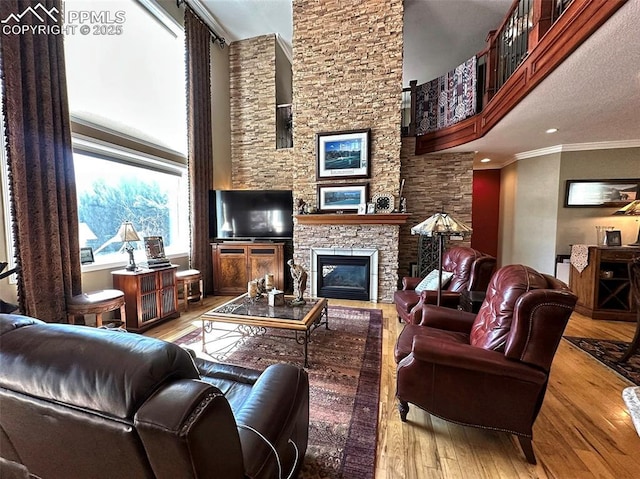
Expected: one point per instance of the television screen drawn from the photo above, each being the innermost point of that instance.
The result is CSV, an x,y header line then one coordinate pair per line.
x,y
248,214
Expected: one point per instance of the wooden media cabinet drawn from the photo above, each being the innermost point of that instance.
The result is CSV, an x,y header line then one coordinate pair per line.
x,y
235,263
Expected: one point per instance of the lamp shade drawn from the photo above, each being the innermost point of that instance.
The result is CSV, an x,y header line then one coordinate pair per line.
x,y
441,224
632,209
127,232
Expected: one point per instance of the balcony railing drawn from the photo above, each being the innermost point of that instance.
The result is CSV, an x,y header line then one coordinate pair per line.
x,y
464,91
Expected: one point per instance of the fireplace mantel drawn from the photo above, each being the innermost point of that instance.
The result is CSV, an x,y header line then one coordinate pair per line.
x,y
353,219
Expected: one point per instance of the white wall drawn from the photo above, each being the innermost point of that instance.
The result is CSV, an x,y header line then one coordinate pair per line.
x,y
506,228
531,223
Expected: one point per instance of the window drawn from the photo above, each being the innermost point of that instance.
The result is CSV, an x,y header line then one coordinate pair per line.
x,y
131,81
150,199
127,100
9,245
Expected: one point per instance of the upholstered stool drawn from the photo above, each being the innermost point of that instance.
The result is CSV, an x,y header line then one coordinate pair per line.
x,y
186,280
96,302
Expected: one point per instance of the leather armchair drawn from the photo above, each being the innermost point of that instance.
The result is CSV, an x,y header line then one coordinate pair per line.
x,y
488,370
471,270
81,402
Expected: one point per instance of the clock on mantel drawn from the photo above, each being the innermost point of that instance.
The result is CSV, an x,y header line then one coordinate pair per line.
x,y
353,219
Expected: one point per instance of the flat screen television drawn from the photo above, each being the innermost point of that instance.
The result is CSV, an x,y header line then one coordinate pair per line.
x,y
251,214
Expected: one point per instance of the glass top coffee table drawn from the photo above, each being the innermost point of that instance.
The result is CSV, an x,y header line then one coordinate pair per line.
x,y
258,315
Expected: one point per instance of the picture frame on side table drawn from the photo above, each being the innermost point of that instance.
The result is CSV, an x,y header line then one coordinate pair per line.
x,y
154,247
86,255
341,197
343,154
614,238
601,193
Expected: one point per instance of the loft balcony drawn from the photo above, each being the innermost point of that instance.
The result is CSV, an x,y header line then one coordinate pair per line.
x,y
535,37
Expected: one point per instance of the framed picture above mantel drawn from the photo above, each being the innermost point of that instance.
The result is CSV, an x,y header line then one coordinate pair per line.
x,y
341,197
601,193
343,154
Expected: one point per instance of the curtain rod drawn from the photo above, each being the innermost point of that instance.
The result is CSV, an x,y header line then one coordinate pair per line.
x,y
215,37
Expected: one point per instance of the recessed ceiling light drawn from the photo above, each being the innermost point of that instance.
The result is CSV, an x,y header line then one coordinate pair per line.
x,y
551,130
485,160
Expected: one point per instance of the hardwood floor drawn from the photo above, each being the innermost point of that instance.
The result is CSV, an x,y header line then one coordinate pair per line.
x,y
583,430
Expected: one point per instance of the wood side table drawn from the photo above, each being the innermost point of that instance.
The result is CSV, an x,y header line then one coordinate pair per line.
x,y
151,296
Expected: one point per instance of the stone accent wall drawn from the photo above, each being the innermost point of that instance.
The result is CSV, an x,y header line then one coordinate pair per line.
x,y
256,163
433,182
347,75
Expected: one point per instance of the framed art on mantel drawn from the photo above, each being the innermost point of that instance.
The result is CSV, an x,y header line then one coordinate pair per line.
x,y
343,154
341,198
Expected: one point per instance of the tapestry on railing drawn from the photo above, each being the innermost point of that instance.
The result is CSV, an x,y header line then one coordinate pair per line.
x,y
448,99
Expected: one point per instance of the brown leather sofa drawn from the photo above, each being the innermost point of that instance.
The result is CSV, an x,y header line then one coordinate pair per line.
x,y
471,270
81,402
488,370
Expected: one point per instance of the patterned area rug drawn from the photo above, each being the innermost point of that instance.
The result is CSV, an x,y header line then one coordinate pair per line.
x,y
607,351
344,377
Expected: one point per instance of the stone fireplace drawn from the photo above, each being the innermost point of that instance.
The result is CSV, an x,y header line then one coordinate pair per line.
x,y
350,236
346,273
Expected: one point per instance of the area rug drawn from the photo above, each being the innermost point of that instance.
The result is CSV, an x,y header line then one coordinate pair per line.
x,y
607,351
344,378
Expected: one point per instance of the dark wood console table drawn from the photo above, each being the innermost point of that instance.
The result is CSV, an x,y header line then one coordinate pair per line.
x,y
603,287
151,296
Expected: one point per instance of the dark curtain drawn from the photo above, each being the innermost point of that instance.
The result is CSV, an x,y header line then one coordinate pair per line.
x,y
41,175
198,46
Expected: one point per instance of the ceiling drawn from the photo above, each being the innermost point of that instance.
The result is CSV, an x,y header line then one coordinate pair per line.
x,y
593,98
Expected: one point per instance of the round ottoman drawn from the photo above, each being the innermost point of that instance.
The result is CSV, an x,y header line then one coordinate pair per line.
x,y
96,302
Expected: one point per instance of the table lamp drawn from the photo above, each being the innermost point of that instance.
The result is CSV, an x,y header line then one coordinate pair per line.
x,y
632,209
127,234
441,225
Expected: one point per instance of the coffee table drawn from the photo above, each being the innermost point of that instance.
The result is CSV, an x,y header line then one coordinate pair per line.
x,y
258,315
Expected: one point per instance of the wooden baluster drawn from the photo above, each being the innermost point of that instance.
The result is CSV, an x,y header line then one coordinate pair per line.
x,y
542,19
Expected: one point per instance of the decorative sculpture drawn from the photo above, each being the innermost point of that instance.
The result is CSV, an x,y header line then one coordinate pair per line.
x,y
299,276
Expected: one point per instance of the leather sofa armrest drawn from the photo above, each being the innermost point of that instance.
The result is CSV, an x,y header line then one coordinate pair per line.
x,y
188,430
276,410
448,299
410,282
447,318
465,356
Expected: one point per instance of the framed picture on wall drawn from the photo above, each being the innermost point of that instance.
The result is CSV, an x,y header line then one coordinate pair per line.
x,y
601,193
343,154
341,197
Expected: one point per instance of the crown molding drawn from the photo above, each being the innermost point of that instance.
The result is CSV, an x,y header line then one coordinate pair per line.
x,y
211,22
603,145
